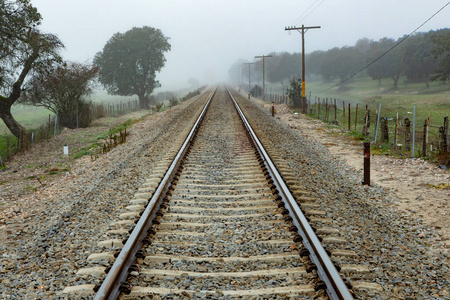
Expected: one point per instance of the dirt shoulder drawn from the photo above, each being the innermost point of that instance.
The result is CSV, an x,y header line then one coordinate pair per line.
x,y
34,172
415,183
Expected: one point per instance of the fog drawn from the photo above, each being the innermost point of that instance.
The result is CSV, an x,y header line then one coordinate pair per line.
x,y
208,36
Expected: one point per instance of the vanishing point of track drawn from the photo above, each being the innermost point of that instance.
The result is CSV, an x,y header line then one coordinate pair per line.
x,y
222,224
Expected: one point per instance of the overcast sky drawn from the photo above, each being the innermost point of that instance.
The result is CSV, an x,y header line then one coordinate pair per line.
x,y
208,36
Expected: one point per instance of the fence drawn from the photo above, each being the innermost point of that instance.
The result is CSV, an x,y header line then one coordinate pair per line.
x,y
400,129
10,145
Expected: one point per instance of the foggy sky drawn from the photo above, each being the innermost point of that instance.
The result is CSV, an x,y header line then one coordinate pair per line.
x,y
208,36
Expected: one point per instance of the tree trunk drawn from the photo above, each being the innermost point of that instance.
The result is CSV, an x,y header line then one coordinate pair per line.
x,y
11,123
395,78
142,101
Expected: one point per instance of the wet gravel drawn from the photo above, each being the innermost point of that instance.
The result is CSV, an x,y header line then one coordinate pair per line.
x,y
401,252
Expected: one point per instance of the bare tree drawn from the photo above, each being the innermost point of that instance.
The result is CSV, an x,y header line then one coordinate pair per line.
x,y
62,89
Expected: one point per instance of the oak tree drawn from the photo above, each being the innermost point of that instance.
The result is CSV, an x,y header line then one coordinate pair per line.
x,y
23,49
129,62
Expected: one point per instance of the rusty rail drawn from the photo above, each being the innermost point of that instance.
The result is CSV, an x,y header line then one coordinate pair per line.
x,y
326,270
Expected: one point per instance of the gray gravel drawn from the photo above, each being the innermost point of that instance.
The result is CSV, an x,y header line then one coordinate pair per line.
x,y
214,160
53,245
399,250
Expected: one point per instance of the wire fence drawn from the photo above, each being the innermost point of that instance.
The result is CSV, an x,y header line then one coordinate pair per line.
x,y
400,130
10,145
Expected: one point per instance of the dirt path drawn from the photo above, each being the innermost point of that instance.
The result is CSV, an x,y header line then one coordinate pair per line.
x,y
416,184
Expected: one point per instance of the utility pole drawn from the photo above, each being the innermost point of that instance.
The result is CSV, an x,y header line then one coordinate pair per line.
x,y
264,77
249,86
302,30
242,75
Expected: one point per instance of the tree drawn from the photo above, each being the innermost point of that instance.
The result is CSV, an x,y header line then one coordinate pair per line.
x,y
314,61
390,65
283,66
63,89
23,49
417,55
129,62
294,91
441,54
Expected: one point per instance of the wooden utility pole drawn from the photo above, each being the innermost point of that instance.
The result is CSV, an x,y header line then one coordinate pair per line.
x,y
242,75
249,85
264,77
302,30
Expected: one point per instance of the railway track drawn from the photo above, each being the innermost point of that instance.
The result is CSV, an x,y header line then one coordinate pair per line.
x,y
221,224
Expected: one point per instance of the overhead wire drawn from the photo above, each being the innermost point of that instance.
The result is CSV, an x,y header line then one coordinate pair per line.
x,y
302,17
298,22
385,53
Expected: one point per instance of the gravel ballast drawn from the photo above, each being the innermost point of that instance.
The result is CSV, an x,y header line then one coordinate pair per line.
x,y
40,259
399,250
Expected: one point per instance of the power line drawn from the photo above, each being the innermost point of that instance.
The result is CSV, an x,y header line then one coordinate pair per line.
x,y
382,55
296,22
299,19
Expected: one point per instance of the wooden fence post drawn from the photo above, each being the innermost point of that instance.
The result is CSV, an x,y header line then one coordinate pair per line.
x,y
446,133
318,109
365,131
343,114
407,134
384,130
349,118
356,116
396,133
425,136
335,111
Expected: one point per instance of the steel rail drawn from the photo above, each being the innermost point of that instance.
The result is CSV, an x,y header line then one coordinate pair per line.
x,y
326,270
119,271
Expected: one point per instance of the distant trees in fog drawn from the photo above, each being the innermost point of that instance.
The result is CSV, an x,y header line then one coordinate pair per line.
x,y
421,57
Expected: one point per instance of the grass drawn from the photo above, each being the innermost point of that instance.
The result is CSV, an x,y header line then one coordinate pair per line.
x,y
33,117
443,186
432,102
28,116
94,148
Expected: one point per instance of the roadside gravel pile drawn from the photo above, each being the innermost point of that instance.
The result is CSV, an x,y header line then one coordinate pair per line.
x,y
399,250
37,261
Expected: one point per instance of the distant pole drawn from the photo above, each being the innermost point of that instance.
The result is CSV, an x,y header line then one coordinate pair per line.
x,y
249,85
242,75
264,77
302,31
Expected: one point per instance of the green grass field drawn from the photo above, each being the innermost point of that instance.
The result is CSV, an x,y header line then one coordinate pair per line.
x,y
33,117
433,102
